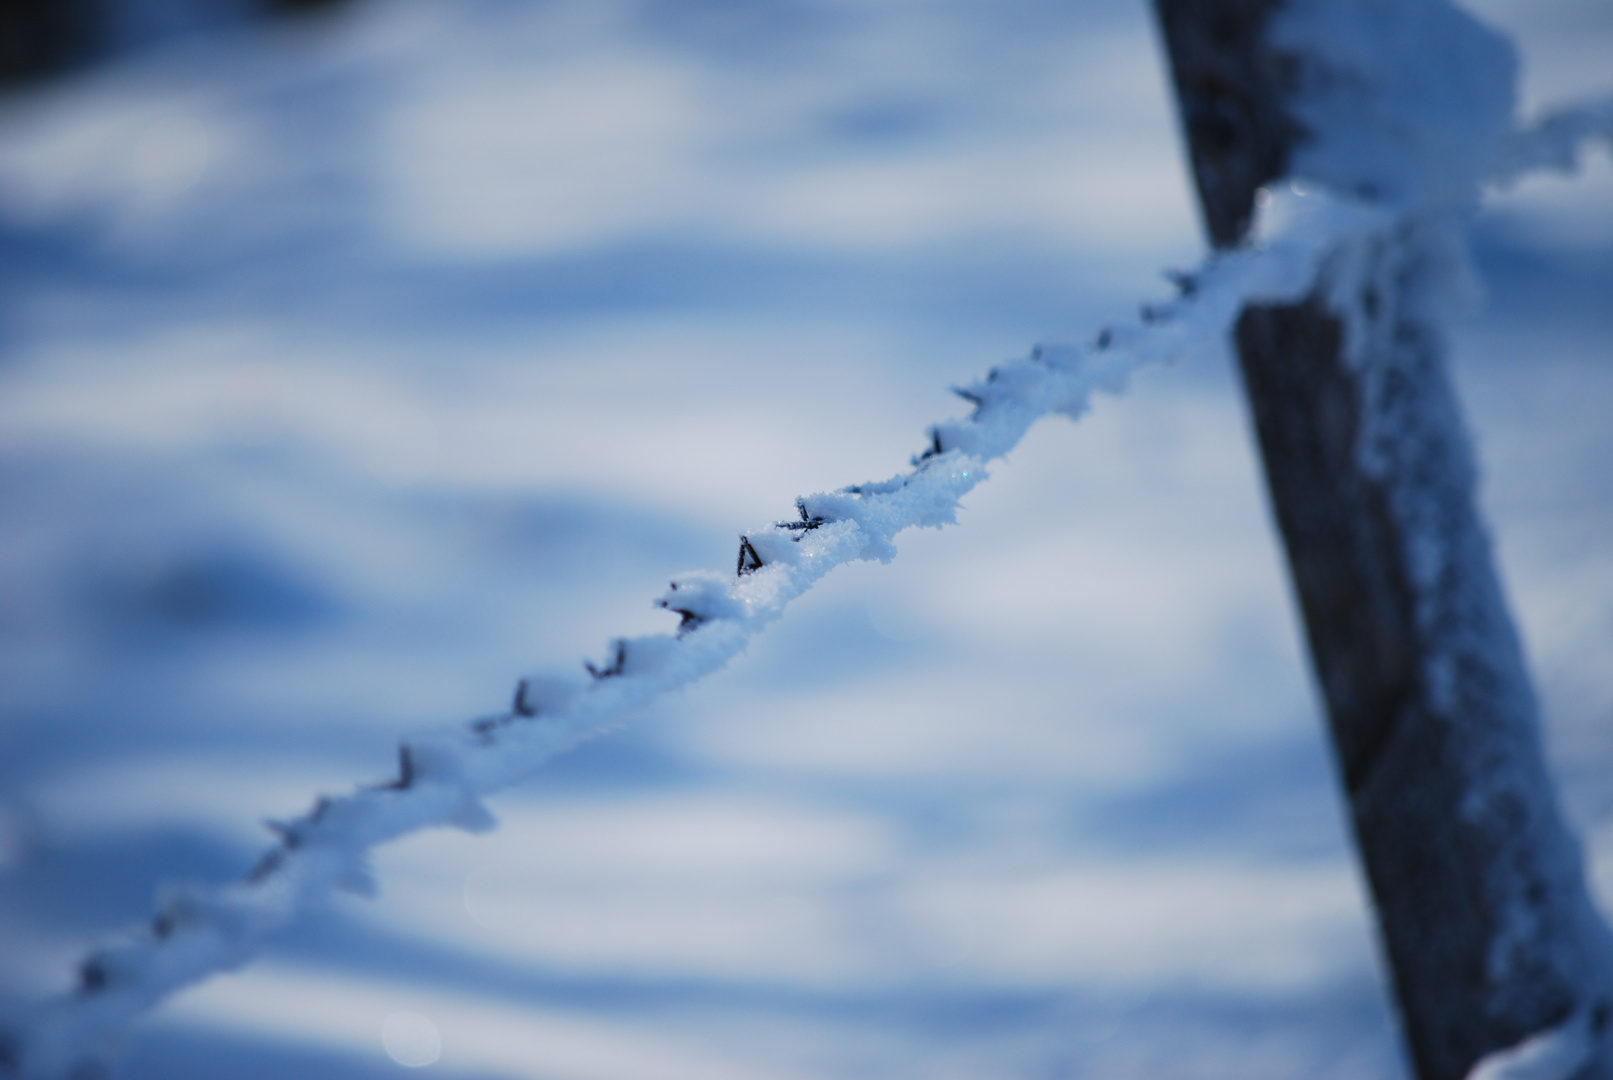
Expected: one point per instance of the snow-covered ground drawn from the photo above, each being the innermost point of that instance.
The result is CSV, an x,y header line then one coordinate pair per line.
x,y
352,368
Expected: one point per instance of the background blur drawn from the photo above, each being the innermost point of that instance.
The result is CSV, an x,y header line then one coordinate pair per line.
x,y
354,363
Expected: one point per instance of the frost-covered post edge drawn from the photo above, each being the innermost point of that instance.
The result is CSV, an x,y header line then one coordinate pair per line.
x,y
443,775
1499,959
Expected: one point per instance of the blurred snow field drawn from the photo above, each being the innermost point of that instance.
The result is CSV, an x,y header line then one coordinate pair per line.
x,y
352,368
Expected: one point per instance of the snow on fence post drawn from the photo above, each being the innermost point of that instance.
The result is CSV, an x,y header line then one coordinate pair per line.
x,y
1500,963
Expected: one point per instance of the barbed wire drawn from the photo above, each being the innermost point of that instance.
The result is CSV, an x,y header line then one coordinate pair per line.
x,y
443,776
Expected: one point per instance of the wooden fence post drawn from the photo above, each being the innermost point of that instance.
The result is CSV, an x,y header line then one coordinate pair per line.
x,y
1482,908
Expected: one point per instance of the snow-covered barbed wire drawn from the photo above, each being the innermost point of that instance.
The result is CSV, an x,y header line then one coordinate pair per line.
x,y
443,775
1303,241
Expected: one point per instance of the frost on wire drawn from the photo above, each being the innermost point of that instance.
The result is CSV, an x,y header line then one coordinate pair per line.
x,y
443,775
1306,240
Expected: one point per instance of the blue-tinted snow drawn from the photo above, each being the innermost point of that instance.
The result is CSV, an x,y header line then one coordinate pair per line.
x,y
352,368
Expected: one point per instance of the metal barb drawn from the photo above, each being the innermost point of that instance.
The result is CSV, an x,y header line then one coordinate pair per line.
x,y
935,449
289,837
690,619
406,771
405,767
267,865
807,523
617,666
748,559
